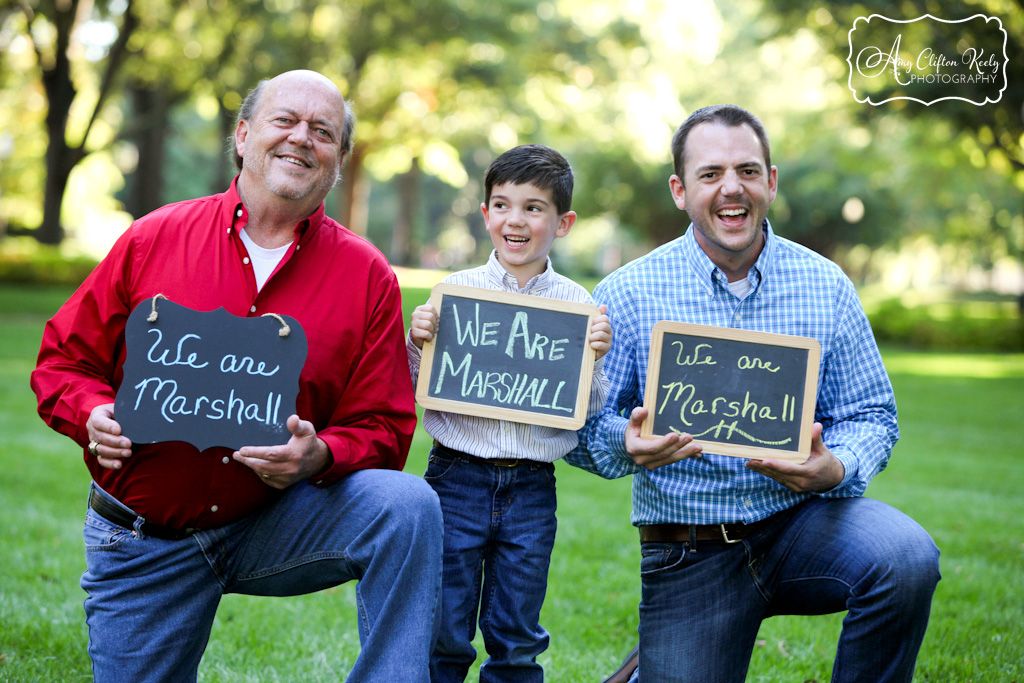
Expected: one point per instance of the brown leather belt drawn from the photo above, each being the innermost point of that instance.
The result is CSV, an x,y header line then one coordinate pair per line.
x,y
686,533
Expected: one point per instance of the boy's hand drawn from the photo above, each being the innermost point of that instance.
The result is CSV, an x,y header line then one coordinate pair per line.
x,y
423,325
601,332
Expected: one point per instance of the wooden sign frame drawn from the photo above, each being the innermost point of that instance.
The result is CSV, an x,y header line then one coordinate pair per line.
x,y
652,391
585,362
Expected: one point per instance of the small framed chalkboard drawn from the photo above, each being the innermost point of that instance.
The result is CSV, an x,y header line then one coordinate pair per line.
x,y
736,392
508,356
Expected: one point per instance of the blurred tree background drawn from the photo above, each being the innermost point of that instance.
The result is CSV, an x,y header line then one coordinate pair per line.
x,y
111,108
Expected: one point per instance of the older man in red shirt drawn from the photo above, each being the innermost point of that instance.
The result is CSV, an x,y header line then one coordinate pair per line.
x,y
170,529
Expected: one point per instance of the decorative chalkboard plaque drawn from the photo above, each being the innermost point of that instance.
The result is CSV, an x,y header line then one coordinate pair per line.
x,y
736,392
508,356
209,379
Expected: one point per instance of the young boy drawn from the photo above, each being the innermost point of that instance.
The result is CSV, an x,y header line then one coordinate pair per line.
x,y
495,478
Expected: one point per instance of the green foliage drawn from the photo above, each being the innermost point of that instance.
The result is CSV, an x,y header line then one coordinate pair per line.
x,y
44,266
957,328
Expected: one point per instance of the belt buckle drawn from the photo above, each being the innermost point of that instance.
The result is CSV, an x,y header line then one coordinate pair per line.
x,y
725,535
499,462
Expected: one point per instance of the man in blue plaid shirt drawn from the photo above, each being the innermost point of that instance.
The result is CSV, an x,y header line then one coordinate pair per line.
x,y
727,542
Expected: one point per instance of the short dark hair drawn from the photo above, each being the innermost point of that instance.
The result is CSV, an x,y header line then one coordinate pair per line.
x,y
252,102
535,164
727,114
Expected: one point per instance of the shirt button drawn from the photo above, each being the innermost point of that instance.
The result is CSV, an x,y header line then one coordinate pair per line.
x,y
245,260
252,309
226,460
508,429
214,508
298,246
229,231
238,213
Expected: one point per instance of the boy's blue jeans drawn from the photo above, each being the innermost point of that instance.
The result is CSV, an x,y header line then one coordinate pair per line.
x,y
151,602
700,611
499,529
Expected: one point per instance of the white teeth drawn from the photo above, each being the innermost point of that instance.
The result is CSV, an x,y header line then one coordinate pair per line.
x,y
294,161
517,240
732,212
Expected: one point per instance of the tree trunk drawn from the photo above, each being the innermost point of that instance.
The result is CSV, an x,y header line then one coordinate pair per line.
x,y
60,158
150,109
354,195
408,200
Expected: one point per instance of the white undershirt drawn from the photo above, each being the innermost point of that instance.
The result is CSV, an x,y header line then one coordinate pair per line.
x,y
263,260
740,288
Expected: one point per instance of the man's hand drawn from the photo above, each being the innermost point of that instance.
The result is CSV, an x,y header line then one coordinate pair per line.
x,y
600,337
822,471
423,325
105,432
305,455
653,453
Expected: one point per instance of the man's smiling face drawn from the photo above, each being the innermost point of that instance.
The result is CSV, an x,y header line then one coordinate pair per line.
x,y
292,145
726,192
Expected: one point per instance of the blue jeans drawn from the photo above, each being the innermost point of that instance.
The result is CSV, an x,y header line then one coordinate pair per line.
x,y
151,602
499,529
700,611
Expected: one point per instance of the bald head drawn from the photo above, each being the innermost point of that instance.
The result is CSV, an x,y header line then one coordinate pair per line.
x,y
317,85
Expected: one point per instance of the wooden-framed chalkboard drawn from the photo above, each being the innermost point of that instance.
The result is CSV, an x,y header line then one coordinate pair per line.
x,y
736,392
508,356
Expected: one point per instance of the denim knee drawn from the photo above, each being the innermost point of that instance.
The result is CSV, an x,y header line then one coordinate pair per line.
x,y
918,563
407,499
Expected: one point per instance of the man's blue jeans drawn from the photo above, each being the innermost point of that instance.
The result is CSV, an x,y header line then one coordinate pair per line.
x,y
151,602
700,611
499,529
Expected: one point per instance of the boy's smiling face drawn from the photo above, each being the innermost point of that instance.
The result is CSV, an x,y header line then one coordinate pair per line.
x,y
523,223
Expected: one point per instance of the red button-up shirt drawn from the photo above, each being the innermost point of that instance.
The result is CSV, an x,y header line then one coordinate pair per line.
x,y
355,386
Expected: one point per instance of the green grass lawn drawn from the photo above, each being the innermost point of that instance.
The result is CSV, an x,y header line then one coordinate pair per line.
x,y
958,470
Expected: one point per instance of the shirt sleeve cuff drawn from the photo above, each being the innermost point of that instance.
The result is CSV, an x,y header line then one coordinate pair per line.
x,y
336,470
850,464
615,434
415,356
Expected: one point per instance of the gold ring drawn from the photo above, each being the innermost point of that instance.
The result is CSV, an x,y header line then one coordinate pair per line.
x,y
266,476
93,448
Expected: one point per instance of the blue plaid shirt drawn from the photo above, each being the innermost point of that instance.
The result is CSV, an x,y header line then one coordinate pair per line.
x,y
793,291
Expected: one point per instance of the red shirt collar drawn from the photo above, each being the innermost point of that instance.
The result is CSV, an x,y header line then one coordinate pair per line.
x,y
232,203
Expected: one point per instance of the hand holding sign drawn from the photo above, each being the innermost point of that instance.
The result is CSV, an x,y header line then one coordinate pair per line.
x,y
600,337
652,453
822,471
423,325
304,456
105,432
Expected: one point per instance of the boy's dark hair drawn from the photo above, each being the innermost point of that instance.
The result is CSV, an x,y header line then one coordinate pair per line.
x,y
727,114
535,164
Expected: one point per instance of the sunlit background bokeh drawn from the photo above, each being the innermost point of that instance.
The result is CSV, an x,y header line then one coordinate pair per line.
x,y
132,101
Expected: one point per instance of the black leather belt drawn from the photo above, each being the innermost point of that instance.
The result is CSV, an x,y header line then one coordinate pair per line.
x,y
493,462
121,517
689,533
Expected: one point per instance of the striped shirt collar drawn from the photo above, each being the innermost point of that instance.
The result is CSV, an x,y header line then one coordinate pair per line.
x,y
504,280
